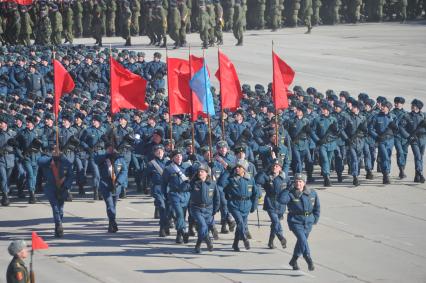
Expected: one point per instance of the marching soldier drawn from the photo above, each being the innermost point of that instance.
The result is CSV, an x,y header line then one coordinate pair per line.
x,y
7,158
417,131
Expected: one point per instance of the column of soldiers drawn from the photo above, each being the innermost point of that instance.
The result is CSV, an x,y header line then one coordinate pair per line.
x,y
190,182
51,22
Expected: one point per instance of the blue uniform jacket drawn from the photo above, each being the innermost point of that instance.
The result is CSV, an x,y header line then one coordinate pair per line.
x,y
273,187
64,171
205,195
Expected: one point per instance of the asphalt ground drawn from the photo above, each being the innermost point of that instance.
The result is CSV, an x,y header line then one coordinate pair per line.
x,y
372,233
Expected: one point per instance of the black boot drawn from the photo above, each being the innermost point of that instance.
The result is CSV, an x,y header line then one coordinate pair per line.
x,y
69,197
59,230
123,193
235,245
179,239
239,43
355,181
128,43
100,42
215,233
185,237
21,193
246,244
112,227
402,173
327,182
197,249
223,229
32,199
167,231
248,235
156,213
283,241
339,178
417,178
162,233
386,179
209,243
310,179
369,175
164,43
81,191
271,241
191,231
293,263
231,224
95,194
421,178
5,200
310,263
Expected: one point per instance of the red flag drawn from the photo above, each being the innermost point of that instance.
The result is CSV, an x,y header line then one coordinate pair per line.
x,y
20,2
230,87
282,79
38,243
127,89
178,76
63,83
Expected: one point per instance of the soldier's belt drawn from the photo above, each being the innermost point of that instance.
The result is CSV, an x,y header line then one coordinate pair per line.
x,y
240,198
306,213
200,205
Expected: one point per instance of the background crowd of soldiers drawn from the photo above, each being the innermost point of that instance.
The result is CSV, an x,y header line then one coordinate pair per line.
x,y
334,131
53,22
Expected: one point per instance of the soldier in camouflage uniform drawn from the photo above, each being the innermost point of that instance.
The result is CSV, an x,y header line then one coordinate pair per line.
x,y
354,10
219,22
111,9
212,21
238,28
275,14
160,24
44,28
295,7
174,22
307,14
56,20
149,21
184,16
26,27
228,14
97,24
135,7
13,24
316,6
260,14
77,8
203,27
126,15
68,22
87,18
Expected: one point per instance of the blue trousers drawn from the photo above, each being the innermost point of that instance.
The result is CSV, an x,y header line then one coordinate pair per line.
x,y
302,233
276,227
401,146
56,204
325,160
355,155
224,211
241,221
204,219
4,178
385,153
95,171
339,159
300,156
418,152
111,202
81,169
31,170
161,204
139,166
179,211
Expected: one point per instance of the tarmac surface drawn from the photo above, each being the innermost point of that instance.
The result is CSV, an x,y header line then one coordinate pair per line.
x,y
372,233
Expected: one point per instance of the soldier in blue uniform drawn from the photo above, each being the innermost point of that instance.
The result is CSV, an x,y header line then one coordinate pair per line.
x,y
30,143
155,72
382,129
153,174
242,195
324,134
223,161
175,183
89,76
303,212
417,130
81,155
235,130
18,75
7,158
354,135
92,142
274,183
113,177
370,143
35,83
270,152
204,203
401,136
340,153
59,175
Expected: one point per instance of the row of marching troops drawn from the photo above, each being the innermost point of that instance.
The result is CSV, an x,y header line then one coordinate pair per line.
x,y
254,149
53,22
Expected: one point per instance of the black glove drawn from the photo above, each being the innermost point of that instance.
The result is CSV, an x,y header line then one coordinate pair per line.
x,y
393,126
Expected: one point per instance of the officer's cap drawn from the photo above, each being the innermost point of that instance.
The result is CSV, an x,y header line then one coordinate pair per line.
x,y
399,99
16,247
417,103
158,132
176,152
300,176
204,167
158,146
221,144
240,148
344,94
243,164
277,161
205,149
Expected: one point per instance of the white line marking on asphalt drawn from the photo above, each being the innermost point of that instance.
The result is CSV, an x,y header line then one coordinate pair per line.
x,y
132,209
73,262
110,279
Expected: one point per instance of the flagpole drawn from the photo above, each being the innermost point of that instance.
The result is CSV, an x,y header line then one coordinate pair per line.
x,y
56,106
168,93
192,102
112,122
273,96
207,106
221,95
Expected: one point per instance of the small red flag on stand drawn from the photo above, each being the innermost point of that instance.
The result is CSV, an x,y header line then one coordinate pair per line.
x,y
38,243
